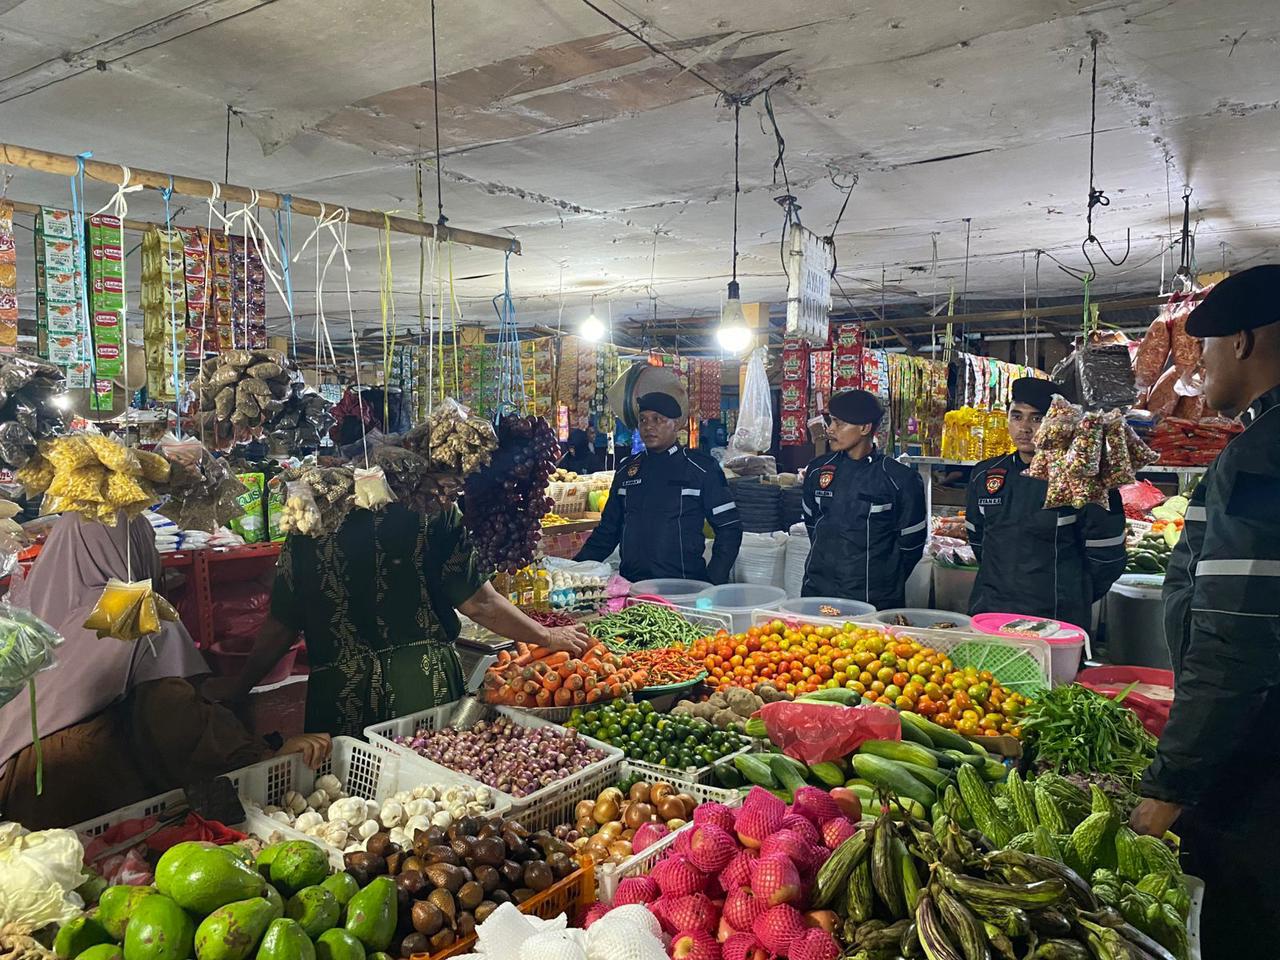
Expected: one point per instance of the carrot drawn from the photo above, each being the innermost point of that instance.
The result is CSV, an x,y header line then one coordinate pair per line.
x,y
579,697
563,697
551,682
556,658
543,698
594,694
574,682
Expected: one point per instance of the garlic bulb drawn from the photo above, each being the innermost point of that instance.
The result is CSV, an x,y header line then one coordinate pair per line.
x,y
295,802
281,816
398,836
319,800
426,792
391,814
457,810
353,848
330,784
350,809
418,808
307,820
371,809
270,808
442,819
414,824
368,829
335,836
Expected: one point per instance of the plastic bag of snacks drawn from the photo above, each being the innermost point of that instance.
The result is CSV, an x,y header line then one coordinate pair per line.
x,y
372,491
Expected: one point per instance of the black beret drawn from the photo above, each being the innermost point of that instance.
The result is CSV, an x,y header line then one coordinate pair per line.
x,y
1034,392
1243,301
662,403
856,406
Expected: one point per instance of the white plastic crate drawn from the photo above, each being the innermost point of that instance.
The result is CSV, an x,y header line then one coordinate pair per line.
x,y
381,737
158,806
696,775
364,771
609,875
943,640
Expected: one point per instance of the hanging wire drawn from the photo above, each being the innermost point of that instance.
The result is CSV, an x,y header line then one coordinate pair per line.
x,y
737,182
435,93
1184,277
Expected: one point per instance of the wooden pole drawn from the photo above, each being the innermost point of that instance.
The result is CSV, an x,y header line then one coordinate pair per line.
x,y
62,164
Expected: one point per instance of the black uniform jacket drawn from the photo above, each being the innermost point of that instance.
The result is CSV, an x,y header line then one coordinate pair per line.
x,y
1222,623
656,509
867,528
1036,561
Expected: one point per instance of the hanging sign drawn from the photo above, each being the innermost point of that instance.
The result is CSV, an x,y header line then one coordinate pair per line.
x,y
809,266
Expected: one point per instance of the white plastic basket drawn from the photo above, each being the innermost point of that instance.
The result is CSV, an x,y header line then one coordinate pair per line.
x,y
943,640
526,809
689,775
609,875
160,805
364,771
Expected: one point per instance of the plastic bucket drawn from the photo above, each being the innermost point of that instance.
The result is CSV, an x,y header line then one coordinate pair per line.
x,y
826,608
1064,659
672,589
738,600
923,619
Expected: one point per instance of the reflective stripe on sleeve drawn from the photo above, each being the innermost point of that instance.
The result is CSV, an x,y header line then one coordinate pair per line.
x,y
1067,520
1238,568
723,507
1109,542
690,492
970,526
1195,515
622,491
916,529
880,507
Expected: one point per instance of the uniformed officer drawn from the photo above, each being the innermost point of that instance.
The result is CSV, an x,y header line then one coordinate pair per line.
x,y
865,512
1218,762
659,500
1036,561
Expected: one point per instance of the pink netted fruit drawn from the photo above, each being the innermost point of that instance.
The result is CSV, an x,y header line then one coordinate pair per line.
x,y
677,877
596,911
694,945
836,831
815,804
636,890
798,823
741,908
777,927
815,945
775,880
743,946
761,814
693,912
647,835
711,847
716,813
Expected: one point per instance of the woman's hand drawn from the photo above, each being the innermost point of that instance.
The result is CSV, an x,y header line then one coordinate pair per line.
x,y
314,747
573,640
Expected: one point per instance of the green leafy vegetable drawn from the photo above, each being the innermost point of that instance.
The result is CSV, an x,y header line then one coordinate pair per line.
x,y
1074,730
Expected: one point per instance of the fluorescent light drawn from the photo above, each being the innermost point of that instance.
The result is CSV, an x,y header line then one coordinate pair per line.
x,y
591,329
733,335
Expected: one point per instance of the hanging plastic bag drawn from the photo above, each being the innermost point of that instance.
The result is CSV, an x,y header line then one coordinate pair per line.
x,y
129,611
817,732
372,490
26,649
755,410
301,513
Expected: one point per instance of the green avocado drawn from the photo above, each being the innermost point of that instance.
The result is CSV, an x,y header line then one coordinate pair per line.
x,y
169,866
116,906
272,896
337,944
103,951
343,886
232,931
158,930
78,935
315,909
240,852
298,864
371,914
208,879
286,940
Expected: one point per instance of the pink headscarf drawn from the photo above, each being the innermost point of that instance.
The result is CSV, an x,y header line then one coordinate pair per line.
x,y
78,559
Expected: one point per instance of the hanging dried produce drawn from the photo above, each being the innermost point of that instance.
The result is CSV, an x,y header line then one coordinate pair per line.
x,y
318,499
243,389
202,490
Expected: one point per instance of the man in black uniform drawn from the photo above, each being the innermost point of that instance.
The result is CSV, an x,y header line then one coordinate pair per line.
x,y
1041,563
658,502
1217,770
864,511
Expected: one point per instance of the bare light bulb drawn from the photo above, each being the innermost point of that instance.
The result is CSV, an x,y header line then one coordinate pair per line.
x,y
733,335
591,329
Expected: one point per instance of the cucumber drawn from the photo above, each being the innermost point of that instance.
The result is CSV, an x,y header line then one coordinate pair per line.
x,y
900,751
840,695
943,739
993,771
756,770
789,778
828,773
962,758
890,775
936,779
913,734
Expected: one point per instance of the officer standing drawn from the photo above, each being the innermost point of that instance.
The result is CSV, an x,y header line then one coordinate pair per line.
x,y
1035,561
865,512
658,502
1217,769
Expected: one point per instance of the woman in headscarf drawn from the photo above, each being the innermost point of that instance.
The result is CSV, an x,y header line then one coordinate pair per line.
x,y
581,457
119,721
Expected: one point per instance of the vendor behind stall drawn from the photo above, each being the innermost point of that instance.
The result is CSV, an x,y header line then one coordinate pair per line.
x,y
120,722
376,602
865,512
659,502
1216,777
1035,561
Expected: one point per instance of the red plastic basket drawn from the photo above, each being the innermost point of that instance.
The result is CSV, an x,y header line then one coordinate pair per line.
x,y
1110,681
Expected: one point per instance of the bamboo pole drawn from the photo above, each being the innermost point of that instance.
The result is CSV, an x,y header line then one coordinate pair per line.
x,y
65,165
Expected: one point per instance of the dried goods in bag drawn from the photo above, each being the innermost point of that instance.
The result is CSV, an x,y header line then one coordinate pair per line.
x,y
1153,352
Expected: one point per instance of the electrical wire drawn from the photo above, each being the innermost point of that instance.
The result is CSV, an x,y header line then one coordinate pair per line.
x,y
435,93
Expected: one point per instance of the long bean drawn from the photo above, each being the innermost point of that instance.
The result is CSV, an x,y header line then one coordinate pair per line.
x,y
644,626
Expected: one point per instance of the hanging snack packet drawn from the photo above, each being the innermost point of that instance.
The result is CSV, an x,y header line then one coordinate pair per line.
x,y
372,491
251,524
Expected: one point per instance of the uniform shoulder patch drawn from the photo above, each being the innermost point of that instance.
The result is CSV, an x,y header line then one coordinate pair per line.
x,y
994,481
826,476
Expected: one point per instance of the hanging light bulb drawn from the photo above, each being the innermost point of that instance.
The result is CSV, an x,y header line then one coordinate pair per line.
x,y
733,335
591,328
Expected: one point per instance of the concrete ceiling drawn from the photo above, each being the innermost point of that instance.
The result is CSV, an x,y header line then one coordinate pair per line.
x,y
965,123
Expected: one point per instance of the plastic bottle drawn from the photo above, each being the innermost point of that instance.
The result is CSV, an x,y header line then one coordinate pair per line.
x,y
542,590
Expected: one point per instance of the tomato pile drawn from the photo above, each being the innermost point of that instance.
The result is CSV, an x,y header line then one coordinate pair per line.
x,y
896,671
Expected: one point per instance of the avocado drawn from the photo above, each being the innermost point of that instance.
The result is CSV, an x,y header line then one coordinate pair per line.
x,y
272,896
209,879
298,864
103,951
78,935
315,909
371,914
240,852
169,866
337,944
262,863
343,886
116,906
232,931
158,930
286,940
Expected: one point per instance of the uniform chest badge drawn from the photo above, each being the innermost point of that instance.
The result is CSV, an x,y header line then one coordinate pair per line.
x,y
633,470
826,478
995,482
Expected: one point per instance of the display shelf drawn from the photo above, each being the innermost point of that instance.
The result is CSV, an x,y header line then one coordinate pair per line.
x,y
1154,468
573,526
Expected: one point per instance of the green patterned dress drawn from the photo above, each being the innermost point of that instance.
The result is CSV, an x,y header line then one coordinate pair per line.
x,y
376,603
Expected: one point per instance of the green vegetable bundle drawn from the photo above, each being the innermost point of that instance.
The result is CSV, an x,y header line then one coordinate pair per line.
x,y
644,626
1071,729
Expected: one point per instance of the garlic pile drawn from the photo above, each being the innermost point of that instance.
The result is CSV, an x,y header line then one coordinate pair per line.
x,y
332,816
